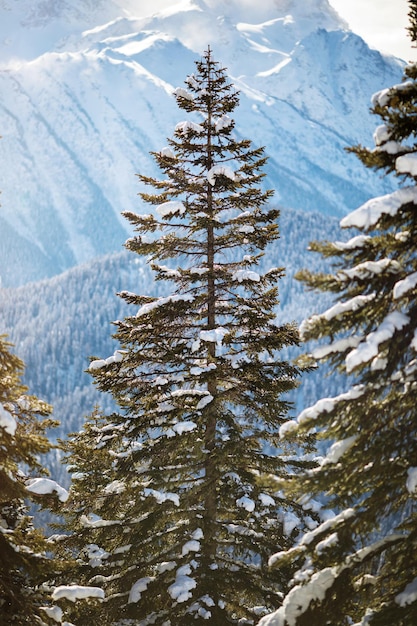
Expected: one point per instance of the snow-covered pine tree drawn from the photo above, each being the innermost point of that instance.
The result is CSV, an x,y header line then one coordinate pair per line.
x,y
25,563
181,525
361,567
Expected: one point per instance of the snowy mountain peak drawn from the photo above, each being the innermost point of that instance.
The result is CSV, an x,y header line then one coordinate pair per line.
x,y
30,28
79,118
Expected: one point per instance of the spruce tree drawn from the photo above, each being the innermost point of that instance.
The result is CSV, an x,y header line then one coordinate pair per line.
x,y
25,563
361,567
169,504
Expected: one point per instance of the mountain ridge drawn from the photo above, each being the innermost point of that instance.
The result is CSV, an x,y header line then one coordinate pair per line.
x,y
78,124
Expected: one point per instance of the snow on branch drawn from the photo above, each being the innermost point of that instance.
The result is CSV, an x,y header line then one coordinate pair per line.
x,y
186,127
138,588
369,348
77,592
223,122
170,208
180,92
220,170
352,244
368,268
161,496
116,357
324,405
369,214
300,597
7,421
180,590
409,595
150,306
407,164
340,308
44,486
411,483
402,287
383,96
214,336
167,152
241,275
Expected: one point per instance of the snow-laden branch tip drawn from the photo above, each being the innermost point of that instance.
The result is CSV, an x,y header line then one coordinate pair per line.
x,y
341,345
116,357
369,348
382,134
77,592
353,243
7,421
138,588
180,590
214,336
220,170
246,503
411,483
167,152
407,164
338,449
205,401
241,275
340,308
325,405
55,613
162,496
368,268
186,127
300,597
170,208
409,595
44,486
383,96
369,214
180,92
223,122
402,287
150,306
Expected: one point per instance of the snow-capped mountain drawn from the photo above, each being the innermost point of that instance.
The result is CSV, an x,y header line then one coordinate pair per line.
x,y
87,92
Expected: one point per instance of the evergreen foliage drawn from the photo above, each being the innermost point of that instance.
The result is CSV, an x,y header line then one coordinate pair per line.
x,y
170,511
24,564
361,567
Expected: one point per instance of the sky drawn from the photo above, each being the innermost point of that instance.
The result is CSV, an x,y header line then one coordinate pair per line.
x,y
381,23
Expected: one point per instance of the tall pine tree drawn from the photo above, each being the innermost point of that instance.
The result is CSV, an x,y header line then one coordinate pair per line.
x,y
361,567
169,506
25,563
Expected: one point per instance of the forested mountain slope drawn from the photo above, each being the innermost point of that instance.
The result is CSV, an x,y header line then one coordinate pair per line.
x,y
56,324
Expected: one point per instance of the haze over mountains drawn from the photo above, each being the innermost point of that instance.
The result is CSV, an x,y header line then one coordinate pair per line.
x,y
86,94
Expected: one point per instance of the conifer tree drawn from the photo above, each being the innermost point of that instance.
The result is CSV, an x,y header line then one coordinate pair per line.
x,y
361,567
24,564
181,523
